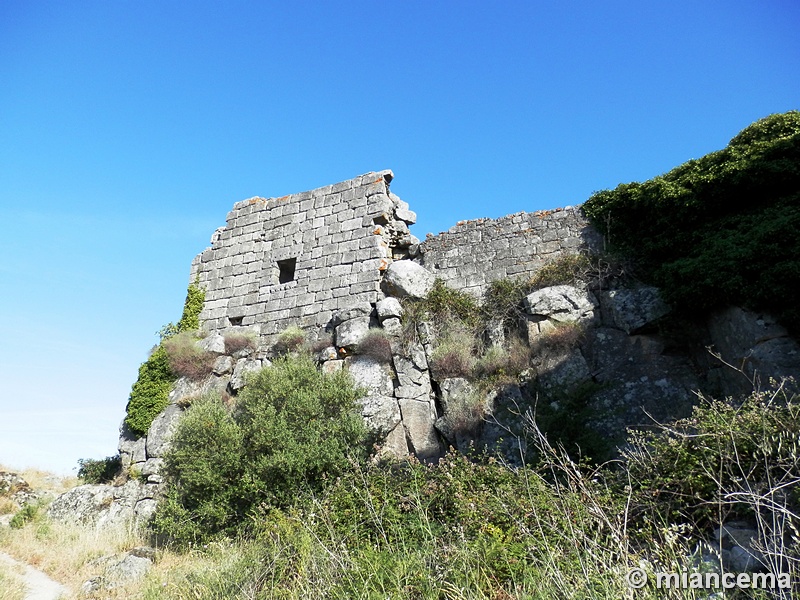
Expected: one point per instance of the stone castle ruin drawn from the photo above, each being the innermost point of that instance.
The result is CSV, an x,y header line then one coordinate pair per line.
x,y
332,261
337,261
296,260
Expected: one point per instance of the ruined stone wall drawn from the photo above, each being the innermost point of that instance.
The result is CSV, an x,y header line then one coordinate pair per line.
x,y
474,253
297,259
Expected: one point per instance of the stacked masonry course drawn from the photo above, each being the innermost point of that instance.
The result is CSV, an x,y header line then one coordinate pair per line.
x,y
296,260
472,254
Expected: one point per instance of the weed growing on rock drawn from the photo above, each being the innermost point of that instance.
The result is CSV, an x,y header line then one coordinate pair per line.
x,y
291,339
560,339
501,365
186,358
748,451
454,354
238,342
376,345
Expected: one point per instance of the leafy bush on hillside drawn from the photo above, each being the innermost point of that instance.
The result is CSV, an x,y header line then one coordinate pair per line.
x,y
204,471
149,394
723,229
721,462
477,528
292,429
98,471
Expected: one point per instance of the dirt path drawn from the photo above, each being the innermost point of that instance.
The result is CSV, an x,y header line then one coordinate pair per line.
x,y
39,586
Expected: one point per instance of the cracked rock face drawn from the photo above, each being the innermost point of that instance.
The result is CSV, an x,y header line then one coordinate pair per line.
x,y
104,505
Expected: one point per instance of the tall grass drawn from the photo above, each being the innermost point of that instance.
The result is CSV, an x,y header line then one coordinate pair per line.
x,y
11,586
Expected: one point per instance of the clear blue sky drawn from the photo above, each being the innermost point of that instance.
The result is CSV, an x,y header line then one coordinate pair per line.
x,y
129,129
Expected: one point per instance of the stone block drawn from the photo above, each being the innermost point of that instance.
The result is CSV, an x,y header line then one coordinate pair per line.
x,y
244,367
223,365
381,413
351,332
213,343
564,303
350,311
392,326
632,310
332,366
418,420
407,216
370,374
407,279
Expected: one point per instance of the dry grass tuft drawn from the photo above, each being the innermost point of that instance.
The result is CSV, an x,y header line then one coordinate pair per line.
x,y
377,346
236,342
186,359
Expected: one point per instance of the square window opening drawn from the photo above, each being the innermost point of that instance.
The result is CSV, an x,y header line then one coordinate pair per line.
x,y
286,270
235,321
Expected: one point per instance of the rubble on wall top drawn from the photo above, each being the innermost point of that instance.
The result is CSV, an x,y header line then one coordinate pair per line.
x,y
470,223
371,177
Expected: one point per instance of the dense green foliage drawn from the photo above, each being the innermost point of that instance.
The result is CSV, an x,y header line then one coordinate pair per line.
x,y
474,527
190,318
723,229
149,394
715,464
457,529
205,475
292,428
98,471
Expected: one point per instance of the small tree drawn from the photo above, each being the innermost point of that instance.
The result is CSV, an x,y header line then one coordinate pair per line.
x,y
204,471
293,429
300,427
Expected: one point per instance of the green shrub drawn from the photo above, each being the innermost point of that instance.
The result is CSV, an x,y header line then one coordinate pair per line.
x,y
723,229
98,471
300,427
292,429
204,470
25,515
186,358
150,392
721,462
192,306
